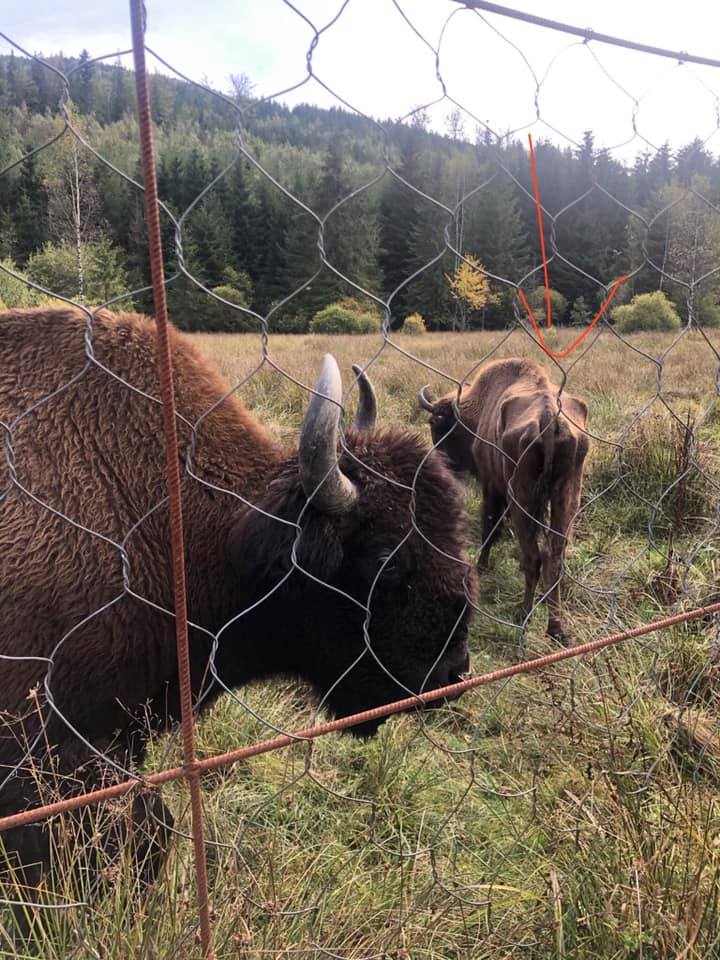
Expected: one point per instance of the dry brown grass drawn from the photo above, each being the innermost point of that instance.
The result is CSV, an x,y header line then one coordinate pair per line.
x,y
613,376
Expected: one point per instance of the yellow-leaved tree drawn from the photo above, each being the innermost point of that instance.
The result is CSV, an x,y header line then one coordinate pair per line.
x,y
470,288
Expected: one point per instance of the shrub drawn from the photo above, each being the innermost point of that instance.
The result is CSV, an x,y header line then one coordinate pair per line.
x,y
240,281
289,323
414,324
220,317
580,316
360,306
16,294
345,316
558,305
646,311
192,309
55,267
707,312
334,319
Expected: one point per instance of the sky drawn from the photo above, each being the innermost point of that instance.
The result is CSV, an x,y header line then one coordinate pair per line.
x,y
373,60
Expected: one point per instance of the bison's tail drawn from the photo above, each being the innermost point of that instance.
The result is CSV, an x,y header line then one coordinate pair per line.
x,y
548,428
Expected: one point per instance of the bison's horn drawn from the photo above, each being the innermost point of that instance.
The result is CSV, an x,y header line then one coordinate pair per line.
x,y
367,408
321,477
423,400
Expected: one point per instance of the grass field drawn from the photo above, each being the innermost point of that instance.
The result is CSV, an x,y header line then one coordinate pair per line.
x,y
569,814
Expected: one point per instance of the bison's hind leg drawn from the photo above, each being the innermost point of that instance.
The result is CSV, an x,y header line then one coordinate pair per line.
x,y
556,620
493,508
136,840
526,531
565,504
24,859
80,858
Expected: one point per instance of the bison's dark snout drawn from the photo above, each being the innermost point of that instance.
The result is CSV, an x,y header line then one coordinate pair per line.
x,y
454,667
457,675
454,670
457,671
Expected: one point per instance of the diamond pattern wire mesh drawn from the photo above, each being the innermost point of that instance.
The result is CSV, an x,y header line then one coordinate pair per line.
x,y
443,816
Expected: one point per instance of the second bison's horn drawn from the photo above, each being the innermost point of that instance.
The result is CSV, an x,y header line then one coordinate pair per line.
x,y
423,400
321,477
367,408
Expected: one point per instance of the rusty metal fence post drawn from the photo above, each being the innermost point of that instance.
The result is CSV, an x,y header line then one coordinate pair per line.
x,y
172,465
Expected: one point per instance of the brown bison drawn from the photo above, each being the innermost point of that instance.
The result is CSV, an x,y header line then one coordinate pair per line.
x,y
298,563
526,445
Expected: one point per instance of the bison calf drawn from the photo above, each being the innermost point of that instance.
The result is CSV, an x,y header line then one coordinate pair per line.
x,y
527,448
303,562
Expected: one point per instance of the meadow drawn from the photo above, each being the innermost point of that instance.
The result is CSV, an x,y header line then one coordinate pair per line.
x,y
571,813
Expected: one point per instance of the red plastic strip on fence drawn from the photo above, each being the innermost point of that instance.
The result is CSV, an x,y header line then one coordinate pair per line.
x,y
172,463
548,304
310,733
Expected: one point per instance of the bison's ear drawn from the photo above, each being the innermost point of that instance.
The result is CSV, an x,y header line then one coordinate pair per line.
x,y
261,549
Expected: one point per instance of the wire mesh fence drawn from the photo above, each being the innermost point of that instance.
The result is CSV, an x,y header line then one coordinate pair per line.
x,y
567,805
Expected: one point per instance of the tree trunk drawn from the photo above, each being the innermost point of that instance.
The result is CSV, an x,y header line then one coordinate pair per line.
x,y
77,222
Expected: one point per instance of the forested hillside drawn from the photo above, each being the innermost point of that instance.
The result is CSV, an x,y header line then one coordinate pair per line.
x,y
76,227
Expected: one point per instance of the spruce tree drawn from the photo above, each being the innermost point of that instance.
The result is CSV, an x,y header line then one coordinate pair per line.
x,y
400,222
29,211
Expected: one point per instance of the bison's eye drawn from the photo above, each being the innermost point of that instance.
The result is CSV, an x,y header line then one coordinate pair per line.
x,y
393,566
384,566
396,566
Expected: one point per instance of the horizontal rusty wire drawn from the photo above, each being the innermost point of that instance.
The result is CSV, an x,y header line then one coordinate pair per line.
x,y
310,733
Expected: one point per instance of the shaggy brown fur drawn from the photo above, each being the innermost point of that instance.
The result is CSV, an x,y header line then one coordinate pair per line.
x,y
85,578
528,451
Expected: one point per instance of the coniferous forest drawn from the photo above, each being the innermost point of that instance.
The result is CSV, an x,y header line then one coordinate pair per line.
x,y
76,227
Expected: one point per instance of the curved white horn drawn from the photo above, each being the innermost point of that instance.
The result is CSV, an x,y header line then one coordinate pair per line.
x,y
367,408
317,454
423,400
